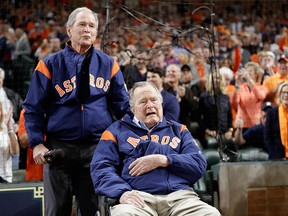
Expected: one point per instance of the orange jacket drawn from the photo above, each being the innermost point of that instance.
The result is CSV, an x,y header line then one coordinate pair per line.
x,y
34,172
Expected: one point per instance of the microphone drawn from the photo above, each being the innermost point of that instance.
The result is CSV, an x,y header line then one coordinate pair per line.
x,y
54,155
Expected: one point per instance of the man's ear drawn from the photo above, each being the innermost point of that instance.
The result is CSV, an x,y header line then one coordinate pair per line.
x,y
132,109
68,31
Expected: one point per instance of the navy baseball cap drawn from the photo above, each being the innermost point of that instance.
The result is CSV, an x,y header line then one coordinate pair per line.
x,y
266,106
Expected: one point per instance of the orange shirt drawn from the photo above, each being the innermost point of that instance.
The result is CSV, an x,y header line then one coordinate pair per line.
x,y
249,102
34,172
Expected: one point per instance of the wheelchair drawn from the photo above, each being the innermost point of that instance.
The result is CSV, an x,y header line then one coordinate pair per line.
x,y
204,187
104,203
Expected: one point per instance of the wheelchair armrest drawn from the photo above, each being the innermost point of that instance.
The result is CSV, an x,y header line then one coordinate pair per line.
x,y
104,203
207,198
111,202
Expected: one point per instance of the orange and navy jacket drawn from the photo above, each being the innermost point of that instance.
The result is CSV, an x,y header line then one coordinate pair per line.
x,y
53,108
124,141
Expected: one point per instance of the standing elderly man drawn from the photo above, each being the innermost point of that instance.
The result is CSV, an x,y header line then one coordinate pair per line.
x,y
149,163
72,97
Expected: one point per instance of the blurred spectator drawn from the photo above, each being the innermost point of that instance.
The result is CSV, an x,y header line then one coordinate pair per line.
x,y
6,46
276,127
272,83
187,78
22,49
36,35
230,47
168,52
5,49
43,50
229,89
50,46
158,60
22,62
228,75
267,63
137,71
245,51
214,110
34,172
283,43
9,98
253,136
188,102
8,144
171,107
226,62
247,92
199,67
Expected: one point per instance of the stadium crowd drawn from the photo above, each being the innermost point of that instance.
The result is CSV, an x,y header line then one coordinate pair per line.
x,y
249,49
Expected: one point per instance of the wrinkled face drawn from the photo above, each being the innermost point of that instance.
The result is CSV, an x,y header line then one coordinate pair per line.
x,y
83,33
284,96
154,79
147,106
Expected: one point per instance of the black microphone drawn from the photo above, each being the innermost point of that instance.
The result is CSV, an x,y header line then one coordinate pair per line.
x,y
54,155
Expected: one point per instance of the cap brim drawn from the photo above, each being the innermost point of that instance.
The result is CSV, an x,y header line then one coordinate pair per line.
x,y
283,59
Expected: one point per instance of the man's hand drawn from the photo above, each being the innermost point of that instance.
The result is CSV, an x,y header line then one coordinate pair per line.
x,y
147,163
181,91
38,154
239,123
211,133
132,198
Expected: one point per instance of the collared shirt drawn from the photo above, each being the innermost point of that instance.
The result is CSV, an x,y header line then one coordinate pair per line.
x,y
141,124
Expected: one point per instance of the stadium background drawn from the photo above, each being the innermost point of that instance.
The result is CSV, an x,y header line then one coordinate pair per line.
x,y
139,22
137,19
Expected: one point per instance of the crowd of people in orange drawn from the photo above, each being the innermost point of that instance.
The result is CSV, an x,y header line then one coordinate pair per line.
x,y
249,49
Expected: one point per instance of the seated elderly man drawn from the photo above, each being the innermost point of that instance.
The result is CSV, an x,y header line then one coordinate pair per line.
x,y
149,163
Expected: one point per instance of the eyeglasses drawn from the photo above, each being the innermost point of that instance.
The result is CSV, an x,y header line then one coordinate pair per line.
x,y
284,92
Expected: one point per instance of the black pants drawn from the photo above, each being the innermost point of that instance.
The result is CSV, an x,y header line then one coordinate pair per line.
x,y
68,176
